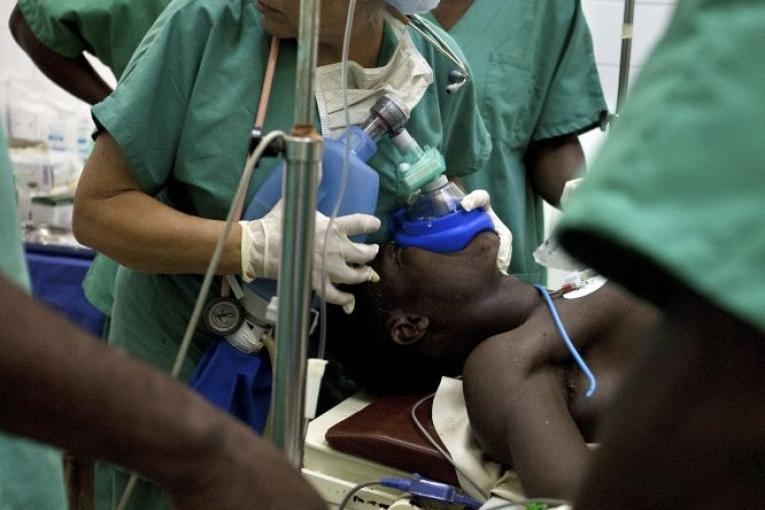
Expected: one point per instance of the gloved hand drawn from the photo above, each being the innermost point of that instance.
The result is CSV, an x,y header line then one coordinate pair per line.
x,y
262,246
480,198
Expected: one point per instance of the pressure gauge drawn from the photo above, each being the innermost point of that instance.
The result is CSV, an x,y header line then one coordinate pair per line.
x,y
223,316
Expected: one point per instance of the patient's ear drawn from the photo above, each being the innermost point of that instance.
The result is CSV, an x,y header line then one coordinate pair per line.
x,y
406,328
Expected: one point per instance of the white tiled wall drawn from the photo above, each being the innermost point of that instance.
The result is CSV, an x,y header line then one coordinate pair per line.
x,y
605,19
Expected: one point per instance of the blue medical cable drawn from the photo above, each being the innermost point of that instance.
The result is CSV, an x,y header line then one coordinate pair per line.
x,y
420,487
569,344
431,490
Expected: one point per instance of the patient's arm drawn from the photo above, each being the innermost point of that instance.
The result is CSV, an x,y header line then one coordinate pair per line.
x,y
517,387
551,163
518,409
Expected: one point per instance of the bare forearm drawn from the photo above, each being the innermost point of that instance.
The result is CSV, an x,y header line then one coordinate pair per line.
x,y
60,386
143,234
551,163
75,75
113,216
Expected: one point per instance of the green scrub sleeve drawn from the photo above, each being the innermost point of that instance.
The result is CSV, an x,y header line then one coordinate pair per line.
x,y
12,262
108,29
146,112
31,476
466,144
574,101
55,24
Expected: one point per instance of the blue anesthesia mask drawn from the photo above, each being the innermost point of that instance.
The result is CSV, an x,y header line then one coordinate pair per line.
x,y
435,220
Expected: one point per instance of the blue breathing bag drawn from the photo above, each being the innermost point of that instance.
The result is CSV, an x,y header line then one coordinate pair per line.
x,y
362,186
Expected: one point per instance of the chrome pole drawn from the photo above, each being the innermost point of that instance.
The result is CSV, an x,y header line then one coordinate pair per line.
x,y
303,155
626,54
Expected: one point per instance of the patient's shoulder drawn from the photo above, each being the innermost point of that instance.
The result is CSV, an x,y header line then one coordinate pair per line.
x,y
514,351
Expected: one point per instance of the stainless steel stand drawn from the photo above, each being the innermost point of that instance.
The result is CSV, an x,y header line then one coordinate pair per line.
x,y
625,59
303,155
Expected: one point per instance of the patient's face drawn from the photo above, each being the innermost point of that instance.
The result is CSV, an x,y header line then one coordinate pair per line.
x,y
415,318
435,292
434,284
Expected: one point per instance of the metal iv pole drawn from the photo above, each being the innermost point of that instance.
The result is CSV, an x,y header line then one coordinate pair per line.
x,y
626,54
303,155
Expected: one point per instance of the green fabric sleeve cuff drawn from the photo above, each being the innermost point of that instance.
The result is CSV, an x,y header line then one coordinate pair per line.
x,y
62,41
105,116
577,126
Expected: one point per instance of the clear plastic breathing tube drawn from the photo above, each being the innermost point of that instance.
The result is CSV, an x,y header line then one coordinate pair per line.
x,y
321,353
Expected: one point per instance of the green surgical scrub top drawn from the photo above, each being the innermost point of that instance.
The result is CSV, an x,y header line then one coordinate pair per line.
x,y
31,475
676,193
182,114
536,78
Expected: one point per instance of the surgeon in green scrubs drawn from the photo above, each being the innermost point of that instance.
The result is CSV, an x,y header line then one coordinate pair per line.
x,y
173,141
673,210
31,475
538,88
56,34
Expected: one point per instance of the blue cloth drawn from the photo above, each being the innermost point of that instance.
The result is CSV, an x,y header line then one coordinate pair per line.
x,y
236,382
57,281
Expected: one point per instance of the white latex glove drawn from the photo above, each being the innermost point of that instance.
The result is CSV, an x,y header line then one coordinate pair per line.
x,y
346,261
480,198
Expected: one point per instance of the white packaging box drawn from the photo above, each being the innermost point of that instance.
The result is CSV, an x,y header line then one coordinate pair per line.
x,y
53,211
45,172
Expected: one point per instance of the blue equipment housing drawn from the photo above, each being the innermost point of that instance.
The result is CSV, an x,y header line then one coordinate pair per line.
x,y
236,382
442,234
